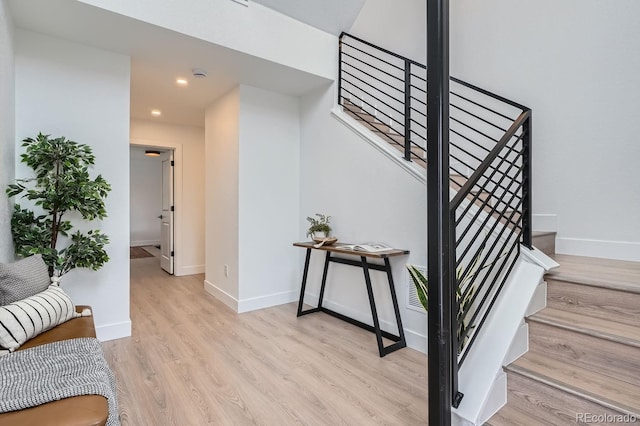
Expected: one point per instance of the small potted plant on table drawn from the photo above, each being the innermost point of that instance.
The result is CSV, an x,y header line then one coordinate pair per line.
x,y
319,228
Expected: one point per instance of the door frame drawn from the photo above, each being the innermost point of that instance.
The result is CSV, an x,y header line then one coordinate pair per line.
x,y
178,230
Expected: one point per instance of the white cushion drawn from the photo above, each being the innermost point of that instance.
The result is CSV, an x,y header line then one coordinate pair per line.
x,y
26,318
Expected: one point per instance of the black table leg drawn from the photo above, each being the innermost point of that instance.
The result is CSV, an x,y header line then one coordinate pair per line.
x,y
327,259
402,342
372,302
304,285
304,281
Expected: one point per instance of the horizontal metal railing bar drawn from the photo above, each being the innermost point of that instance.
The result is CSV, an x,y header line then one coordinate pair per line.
x,y
399,101
463,124
377,99
482,208
477,117
364,112
418,100
371,55
475,157
369,75
490,157
497,293
506,241
484,148
490,232
419,77
418,88
419,112
419,124
455,80
370,66
497,256
490,94
482,106
481,189
382,49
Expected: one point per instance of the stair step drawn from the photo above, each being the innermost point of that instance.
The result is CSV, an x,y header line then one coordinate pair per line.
x,y
596,344
599,388
551,405
509,416
545,241
593,301
607,273
597,327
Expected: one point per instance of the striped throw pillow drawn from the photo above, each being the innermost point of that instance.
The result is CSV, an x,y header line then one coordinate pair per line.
x,y
26,318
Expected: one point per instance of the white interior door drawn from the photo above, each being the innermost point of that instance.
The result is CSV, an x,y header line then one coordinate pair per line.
x,y
166,223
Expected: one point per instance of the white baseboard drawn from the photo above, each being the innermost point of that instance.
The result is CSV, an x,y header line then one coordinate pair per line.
x,y
545,222
189,270
221,295
261,302
414,339
620,250
140,243
113,331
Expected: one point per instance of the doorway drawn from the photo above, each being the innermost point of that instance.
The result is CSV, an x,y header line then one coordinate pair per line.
x,y
152,195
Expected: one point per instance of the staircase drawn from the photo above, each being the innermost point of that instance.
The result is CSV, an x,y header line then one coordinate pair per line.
x,y
583,364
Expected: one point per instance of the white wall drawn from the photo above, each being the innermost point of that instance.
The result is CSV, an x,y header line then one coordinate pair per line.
x,y
145,198
255,30
573,63
68,89
7,134
222,127
269,198
190,187
397,25
369,198
252,152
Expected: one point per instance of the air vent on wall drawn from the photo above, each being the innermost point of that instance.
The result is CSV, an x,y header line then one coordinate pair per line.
x,y
413,302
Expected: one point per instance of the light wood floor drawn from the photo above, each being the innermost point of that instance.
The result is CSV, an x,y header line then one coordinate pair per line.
x,y
193,361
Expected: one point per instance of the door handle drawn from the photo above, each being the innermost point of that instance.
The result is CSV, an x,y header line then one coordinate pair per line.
x,y
160,217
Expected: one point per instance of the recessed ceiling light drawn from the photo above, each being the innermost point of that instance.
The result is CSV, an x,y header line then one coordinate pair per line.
x,y
182,82
152,153
156,112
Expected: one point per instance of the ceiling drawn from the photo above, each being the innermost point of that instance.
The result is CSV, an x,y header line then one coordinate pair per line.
x,y
159,56
332,16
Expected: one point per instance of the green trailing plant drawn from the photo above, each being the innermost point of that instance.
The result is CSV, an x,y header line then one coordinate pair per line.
x,y
61,186
464,293
320,223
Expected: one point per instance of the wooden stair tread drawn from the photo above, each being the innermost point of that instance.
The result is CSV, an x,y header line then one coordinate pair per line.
x,y
597,327
608,273
542,233
593,386
511,416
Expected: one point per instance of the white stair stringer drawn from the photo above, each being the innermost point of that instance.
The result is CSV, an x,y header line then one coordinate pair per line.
x,y
481,379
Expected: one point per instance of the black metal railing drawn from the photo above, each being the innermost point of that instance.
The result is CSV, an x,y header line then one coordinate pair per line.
x,y
489,154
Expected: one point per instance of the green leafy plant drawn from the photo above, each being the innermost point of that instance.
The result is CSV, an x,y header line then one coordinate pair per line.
x,y
464,293
320,223
61,185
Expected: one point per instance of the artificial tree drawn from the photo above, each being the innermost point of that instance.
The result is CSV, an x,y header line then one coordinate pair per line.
x,y
61,186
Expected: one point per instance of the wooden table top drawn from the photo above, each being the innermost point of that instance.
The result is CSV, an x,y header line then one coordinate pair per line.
x,y
336,247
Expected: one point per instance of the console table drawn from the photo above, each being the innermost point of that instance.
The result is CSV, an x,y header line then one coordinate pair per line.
x,y
331,251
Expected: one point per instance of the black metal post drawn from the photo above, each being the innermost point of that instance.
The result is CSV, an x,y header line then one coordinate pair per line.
x,y
527,214
407,110
439,246
340,69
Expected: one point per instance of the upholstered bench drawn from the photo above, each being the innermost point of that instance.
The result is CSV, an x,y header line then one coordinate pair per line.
x,y
86,410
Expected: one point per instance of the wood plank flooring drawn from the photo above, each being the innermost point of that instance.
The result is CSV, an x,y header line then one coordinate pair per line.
x,y
193,361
